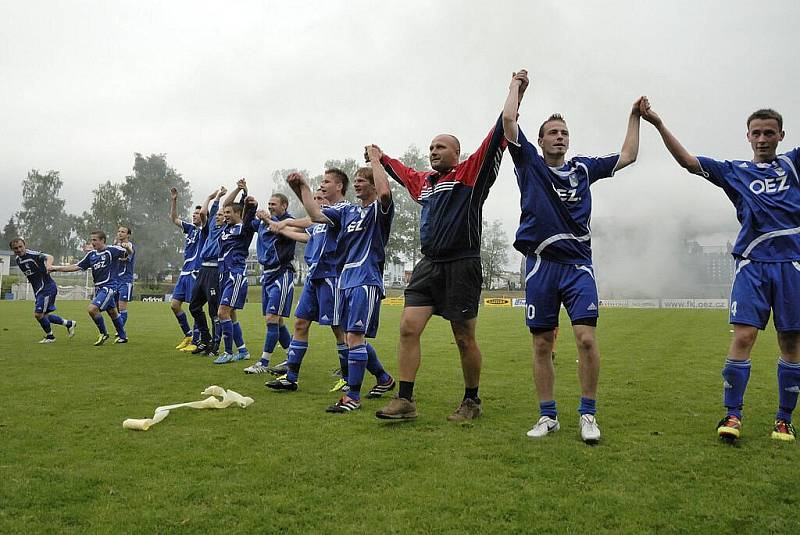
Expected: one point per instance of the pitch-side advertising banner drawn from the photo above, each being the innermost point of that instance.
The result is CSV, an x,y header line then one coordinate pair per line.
x,y
497,301
694,303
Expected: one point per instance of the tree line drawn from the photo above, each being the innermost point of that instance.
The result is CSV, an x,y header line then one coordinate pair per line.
x,y
141,201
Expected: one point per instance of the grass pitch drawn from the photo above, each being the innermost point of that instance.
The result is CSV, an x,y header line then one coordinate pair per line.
x,y
284,465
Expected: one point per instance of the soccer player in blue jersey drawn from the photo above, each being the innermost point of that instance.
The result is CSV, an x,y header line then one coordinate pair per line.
x,y
554,235
192,245
363,234
206,288
235,238
127,264
766,194
316,301
275,254
35,266
104,262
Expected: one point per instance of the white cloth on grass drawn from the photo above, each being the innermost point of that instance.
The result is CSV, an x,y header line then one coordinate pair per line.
x,y
229,397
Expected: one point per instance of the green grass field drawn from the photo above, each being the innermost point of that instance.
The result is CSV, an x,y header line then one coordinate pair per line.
x,y
284,465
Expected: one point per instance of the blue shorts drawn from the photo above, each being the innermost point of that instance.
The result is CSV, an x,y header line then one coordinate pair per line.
x,y
183,289
276,296
125,291
358,310
233,290
45,302
548,284
316,301
105,298
759,286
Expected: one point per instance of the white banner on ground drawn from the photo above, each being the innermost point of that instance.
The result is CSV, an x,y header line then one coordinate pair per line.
x,y
518,302
695,303
629,303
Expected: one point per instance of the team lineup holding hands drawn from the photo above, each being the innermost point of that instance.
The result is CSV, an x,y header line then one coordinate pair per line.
x,y
345,254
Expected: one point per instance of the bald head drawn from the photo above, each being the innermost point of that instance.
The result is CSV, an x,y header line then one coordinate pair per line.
x,y
444,152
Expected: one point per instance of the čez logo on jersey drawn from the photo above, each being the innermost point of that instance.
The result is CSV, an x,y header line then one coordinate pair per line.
x,y
770,185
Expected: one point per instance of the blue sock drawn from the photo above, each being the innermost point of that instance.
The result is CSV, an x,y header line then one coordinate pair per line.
x,y
587,406
788,388
735,375
227,335
357,365
548,408
271,340
285,339
343,351
124,315
58,320
375,367
101,325
119,324
238,339
297,350
183,323
45,323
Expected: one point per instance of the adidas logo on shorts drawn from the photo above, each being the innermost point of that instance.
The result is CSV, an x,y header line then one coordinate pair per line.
x,y
592,307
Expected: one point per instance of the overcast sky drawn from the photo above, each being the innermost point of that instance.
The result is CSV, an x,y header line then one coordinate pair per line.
x,y
229,89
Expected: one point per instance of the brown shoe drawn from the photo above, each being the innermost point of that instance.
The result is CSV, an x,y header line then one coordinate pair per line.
x,y
468,410
398,409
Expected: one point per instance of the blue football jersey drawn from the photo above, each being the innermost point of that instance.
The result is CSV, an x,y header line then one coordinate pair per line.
x,y
556,203
104,265
767,200
212,231
33,265
234,243
316,237
127,265
191,247
275,251
326,266
363,234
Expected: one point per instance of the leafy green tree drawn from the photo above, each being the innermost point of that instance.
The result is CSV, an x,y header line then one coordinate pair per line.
x,y
494,252
42,220
146,193
404,240
109,210
10,231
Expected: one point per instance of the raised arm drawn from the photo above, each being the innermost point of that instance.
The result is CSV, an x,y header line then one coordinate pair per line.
x,y
379,175
681,155
173,207
303,192
630,147
517,87
241,185
206,202
48,262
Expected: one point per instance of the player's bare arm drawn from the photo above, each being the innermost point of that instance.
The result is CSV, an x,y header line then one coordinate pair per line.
x,y
519,83
681,155
299,185
206,202
379,175
630,147
241,185
173,207
289,232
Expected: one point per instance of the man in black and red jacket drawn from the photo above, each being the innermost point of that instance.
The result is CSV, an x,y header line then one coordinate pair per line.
x,y
447,281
